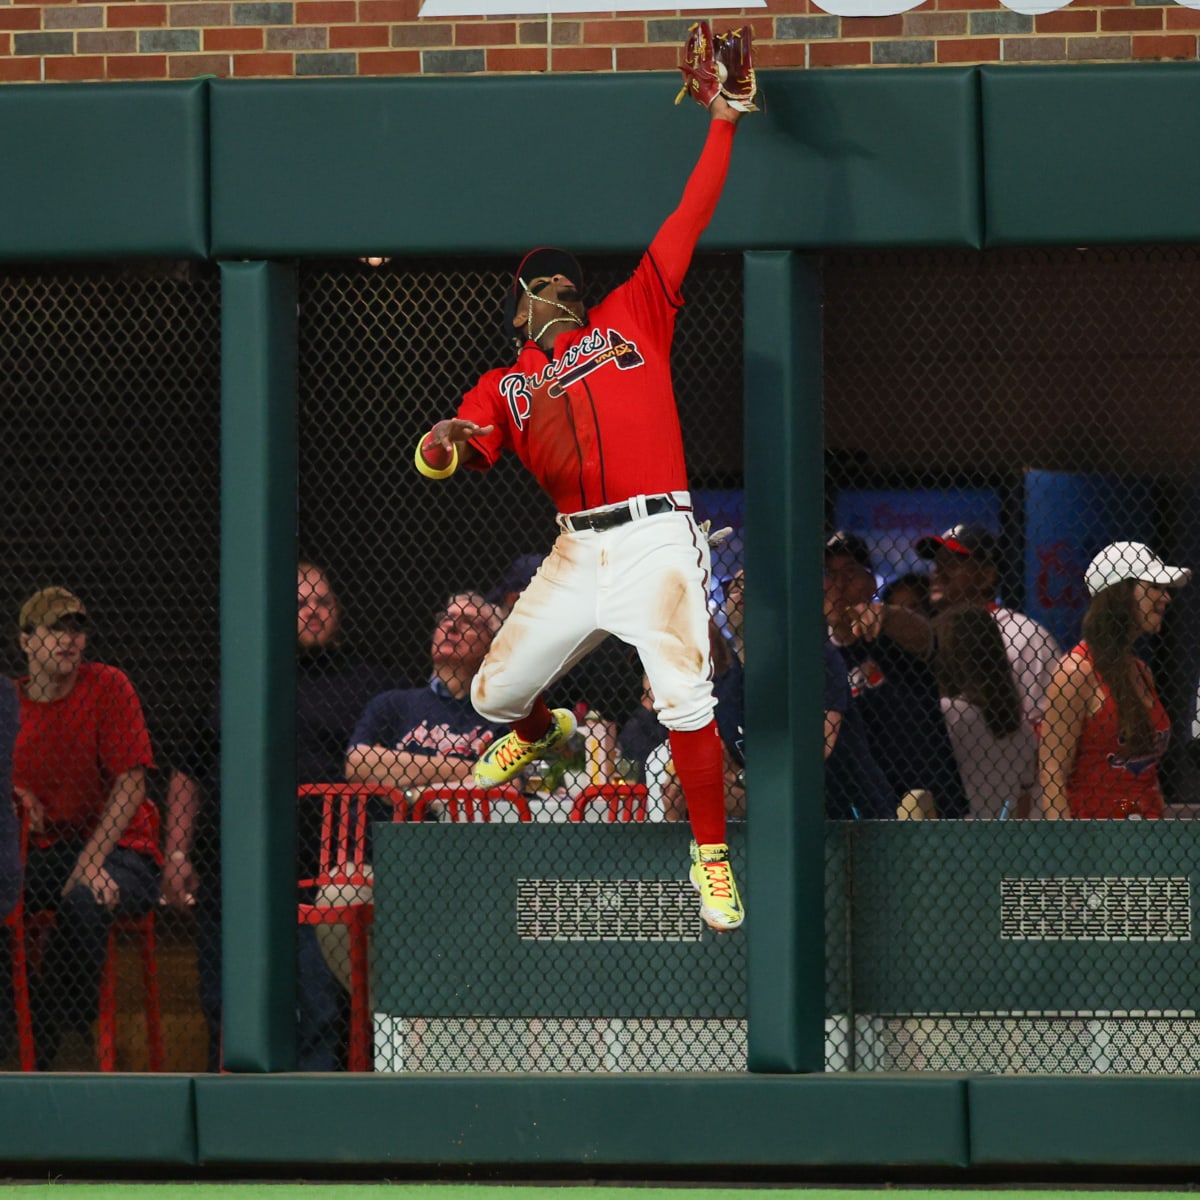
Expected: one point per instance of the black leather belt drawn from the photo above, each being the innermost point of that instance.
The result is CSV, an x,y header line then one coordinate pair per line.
x,y
610,518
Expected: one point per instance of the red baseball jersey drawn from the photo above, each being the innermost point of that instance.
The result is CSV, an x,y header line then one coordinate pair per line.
x,y
597,422
70,751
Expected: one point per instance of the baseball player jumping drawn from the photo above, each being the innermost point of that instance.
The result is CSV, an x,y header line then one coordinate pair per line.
x,y
589,409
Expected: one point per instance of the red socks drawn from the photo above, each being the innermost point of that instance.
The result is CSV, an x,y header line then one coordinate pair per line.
x,y
700,765
530,728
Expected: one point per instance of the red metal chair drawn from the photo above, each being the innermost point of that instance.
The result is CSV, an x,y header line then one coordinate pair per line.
x,y
342,857
38,924
465,803
15,924
626,801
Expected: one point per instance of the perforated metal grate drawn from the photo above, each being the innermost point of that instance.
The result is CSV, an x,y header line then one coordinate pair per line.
x,y
1146,909
606,910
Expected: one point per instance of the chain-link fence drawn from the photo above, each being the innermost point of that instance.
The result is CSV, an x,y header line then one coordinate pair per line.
x,y
109,379
1010,460
994,422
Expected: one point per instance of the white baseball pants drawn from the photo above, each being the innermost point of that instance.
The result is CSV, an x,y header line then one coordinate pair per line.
x,y
645,582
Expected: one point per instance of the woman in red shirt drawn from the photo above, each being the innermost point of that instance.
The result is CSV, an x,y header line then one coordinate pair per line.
x,y
1105,728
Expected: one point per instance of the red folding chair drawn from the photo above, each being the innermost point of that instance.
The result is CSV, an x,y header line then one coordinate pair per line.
x,y
15,924
342,856
465,803
626,801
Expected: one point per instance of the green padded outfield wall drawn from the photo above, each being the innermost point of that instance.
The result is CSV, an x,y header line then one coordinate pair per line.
x,y
436,166
113,170
1091,154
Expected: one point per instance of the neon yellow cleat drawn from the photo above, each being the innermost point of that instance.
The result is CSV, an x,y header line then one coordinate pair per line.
x,y
509,756
712,876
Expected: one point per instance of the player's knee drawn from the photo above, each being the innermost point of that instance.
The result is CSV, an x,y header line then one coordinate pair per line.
x,y
690,711
493,700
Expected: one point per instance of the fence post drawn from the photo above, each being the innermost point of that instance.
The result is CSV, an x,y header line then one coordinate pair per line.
x,y
784,474
258,664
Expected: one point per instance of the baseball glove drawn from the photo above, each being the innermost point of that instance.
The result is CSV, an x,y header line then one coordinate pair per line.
x,y
719,66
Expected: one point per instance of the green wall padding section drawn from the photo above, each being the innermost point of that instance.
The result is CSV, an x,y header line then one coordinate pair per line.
x,y
97,1118
312,167
104,171
1087,154
1085,1121
780,1120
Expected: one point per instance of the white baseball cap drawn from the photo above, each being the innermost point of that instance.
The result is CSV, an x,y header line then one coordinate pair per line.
x,y
1131,560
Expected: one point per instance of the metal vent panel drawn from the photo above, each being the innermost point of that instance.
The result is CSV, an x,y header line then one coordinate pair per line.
x,y
607,910
1125,908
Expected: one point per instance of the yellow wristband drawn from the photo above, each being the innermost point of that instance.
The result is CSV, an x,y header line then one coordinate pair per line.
x,y
433,472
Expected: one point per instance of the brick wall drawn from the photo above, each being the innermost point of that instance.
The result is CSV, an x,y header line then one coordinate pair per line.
x,y
45,41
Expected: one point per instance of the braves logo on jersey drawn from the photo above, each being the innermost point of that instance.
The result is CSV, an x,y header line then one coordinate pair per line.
x,y
592,352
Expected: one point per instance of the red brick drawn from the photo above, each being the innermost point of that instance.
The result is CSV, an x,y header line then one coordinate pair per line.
x,y
389,62
1098,49
198,16
356,37
780,54
1127,19
582,58
970,5
968,50
247,37
426,34
1178,46
5,44
485,33
388,10
189,66
20,70
647,58
20,18
1183,18
877,27
527,58
614,33
78,66
935,24
325,12
136,16
264,64
839,54
788,8
1066,20
136,66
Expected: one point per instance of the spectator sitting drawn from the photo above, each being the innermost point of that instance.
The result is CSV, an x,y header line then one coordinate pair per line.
x,y
1105,728
965,571
332,685
415,737
995,747
80,763
888,651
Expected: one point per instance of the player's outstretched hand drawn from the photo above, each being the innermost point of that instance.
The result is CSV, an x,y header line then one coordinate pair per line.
x,y
457,431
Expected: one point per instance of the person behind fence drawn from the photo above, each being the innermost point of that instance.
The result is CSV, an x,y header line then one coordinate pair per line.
x,y
889,652
11,869
995,746
589,409
855,787
333,682
966,571
910,590
79,769
413,738
1105,729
